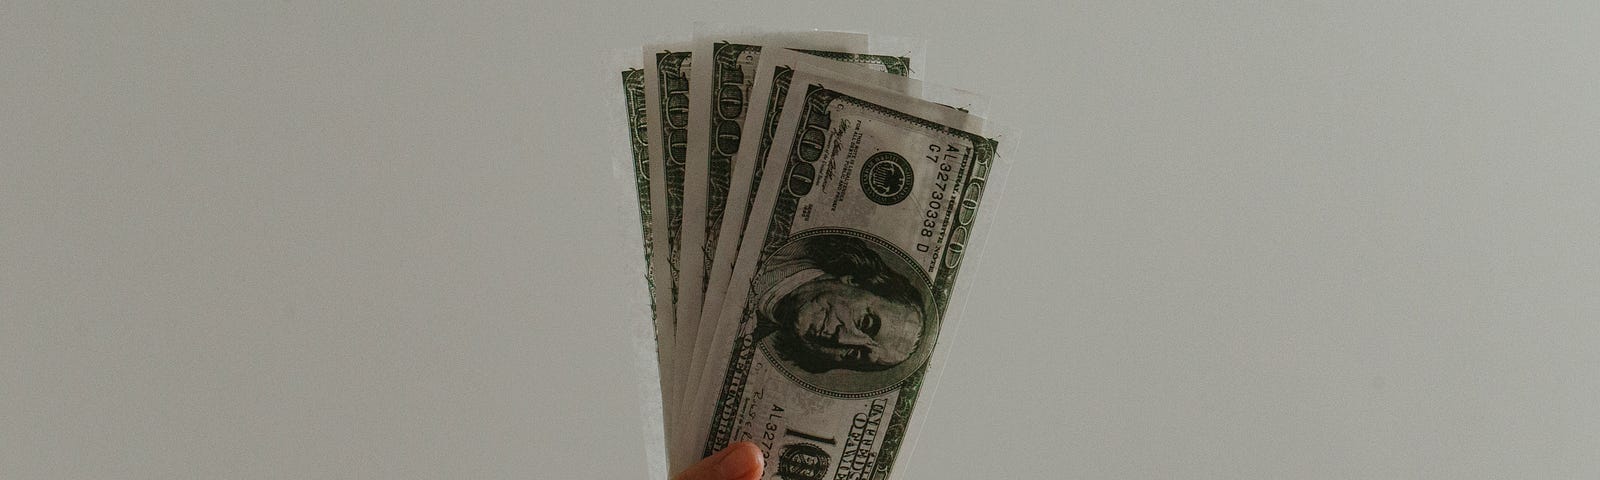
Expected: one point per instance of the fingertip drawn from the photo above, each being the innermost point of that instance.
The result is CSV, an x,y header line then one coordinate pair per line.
x,y
741,461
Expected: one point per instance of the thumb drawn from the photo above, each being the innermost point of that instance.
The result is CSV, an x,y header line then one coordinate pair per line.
x,y
740,461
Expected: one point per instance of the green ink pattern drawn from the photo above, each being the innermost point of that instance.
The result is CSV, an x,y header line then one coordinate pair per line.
x,y
633,93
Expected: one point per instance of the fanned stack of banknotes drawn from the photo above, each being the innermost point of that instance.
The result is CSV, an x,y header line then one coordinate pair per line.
x,y
806,203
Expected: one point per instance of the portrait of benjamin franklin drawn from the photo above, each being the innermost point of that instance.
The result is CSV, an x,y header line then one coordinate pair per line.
x,y
838,303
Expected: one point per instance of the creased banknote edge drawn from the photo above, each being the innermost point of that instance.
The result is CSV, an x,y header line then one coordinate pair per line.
x,y
638,322
914,49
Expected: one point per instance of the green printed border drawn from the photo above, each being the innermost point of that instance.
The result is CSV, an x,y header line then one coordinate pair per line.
x,y
633,94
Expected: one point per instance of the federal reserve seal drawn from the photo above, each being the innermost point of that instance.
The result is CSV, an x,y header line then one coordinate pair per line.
x,y
886,178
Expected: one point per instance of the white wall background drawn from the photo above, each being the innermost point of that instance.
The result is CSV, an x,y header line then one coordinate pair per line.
x,y
378,239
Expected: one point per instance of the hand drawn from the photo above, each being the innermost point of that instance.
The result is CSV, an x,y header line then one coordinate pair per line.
x,y
740,461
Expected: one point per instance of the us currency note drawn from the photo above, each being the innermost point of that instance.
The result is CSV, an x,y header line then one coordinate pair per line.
x,y
666,92
775,70
847,265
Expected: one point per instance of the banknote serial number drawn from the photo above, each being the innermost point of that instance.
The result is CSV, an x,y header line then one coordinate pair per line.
x,y
940,201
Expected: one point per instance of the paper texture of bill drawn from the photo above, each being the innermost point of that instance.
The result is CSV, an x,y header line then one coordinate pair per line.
x,y
843,277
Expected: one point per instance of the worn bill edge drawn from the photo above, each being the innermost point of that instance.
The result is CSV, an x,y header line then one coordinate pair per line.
x,y
914,49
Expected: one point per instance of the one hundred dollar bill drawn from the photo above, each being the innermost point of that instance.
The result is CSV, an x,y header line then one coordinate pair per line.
x,y
775,71
843,277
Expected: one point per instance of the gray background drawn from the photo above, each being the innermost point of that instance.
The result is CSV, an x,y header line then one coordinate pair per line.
x,y
363,239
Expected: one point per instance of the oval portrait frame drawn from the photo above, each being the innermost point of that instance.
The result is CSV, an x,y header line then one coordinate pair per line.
x,y
845,383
